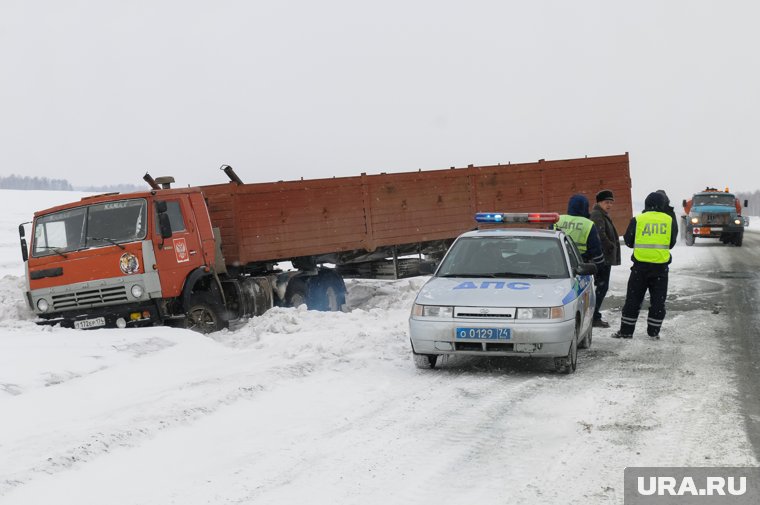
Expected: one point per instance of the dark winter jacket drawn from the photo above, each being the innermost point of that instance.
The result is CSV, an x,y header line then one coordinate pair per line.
x,y
655,202
578,206
608,235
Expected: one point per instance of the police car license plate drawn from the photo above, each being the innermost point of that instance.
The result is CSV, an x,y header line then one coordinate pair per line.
x,y
90,323
484,333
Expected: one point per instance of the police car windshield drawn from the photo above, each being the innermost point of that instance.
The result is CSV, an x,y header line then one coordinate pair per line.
x,y
505,257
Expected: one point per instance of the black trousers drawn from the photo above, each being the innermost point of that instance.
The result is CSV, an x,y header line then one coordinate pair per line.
x,y
645,277
602,283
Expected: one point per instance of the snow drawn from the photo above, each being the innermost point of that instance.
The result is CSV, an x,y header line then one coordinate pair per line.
x,y
298,406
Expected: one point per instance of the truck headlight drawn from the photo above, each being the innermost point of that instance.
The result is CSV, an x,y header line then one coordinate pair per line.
x,y
694,220
137,291
432,311
541,313
737,221
43,305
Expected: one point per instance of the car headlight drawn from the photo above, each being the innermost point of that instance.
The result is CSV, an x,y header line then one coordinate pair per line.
x,y
694,220
541,313
137,291
737,221
43,305
432,311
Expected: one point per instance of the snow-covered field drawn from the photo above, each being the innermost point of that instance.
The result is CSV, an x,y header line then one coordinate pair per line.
x,y
298,407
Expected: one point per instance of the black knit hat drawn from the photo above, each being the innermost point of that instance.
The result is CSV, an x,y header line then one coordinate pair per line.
x,y
604,194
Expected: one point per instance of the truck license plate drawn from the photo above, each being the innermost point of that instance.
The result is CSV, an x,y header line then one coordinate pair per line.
x,y
702,231
90,323
484,333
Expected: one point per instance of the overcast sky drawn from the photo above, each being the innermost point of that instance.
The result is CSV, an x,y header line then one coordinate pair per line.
x,y
100,91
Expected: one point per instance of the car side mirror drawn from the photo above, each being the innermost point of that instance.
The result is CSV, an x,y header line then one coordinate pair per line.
x,y
585,269
427,267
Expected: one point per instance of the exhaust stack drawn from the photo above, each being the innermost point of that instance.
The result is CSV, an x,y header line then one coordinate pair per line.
x,y
231,174
151,182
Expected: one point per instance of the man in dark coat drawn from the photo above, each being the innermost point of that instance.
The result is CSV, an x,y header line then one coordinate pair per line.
x,y
610,240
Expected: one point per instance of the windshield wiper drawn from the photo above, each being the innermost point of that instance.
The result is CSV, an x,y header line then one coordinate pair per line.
x,y
56,250
106,239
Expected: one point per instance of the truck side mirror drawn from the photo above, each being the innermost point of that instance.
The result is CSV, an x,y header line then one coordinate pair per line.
x,y
24,247
683,203
746,203
161,206
164,225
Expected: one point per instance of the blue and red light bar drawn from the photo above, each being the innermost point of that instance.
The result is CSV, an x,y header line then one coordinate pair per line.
x,y
517,217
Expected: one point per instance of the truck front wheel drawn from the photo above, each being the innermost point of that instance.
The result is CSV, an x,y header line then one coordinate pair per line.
x,y
205,315
738,239
688,238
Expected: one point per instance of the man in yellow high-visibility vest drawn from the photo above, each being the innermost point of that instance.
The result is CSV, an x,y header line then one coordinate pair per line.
x,y
581,229
651,235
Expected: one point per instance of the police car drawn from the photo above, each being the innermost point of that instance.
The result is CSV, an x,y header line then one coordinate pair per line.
x,y
506,292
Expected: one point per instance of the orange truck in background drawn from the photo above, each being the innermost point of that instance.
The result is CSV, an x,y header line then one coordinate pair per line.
x,y
200,257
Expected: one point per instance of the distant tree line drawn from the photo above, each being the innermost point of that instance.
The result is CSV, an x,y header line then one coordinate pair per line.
x,y
113,188
25,182
753,199
18,182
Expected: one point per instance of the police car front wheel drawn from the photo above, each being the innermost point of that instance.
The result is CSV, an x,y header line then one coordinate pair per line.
x,y
568,364
424,360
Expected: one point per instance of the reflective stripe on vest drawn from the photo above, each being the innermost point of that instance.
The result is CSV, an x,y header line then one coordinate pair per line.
x,y
577,228
652,243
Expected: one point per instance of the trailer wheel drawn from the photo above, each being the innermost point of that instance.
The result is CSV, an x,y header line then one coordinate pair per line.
x,y
205,315
297,292
327,292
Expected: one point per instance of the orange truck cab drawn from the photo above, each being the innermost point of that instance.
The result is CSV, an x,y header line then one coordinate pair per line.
x,y
119,260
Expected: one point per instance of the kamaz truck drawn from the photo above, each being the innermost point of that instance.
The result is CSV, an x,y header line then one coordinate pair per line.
x,y
203,256
713,214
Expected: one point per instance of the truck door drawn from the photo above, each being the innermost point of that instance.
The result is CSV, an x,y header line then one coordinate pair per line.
x,y
178,255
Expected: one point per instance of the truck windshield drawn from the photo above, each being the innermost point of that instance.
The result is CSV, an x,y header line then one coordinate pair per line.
x,y
95,225
714,199
505,257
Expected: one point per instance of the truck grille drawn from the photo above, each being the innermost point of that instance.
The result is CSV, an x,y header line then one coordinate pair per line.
x,y
90,297
710,218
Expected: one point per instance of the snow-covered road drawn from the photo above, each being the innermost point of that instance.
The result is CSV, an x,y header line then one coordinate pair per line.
x,y
327,408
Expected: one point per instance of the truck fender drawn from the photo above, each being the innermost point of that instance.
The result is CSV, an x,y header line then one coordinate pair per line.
x,y
193,279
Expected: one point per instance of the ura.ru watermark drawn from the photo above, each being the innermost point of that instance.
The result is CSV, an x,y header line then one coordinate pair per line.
x,y
684,485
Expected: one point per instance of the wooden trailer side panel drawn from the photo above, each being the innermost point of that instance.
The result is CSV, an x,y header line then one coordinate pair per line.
x,y
284,220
